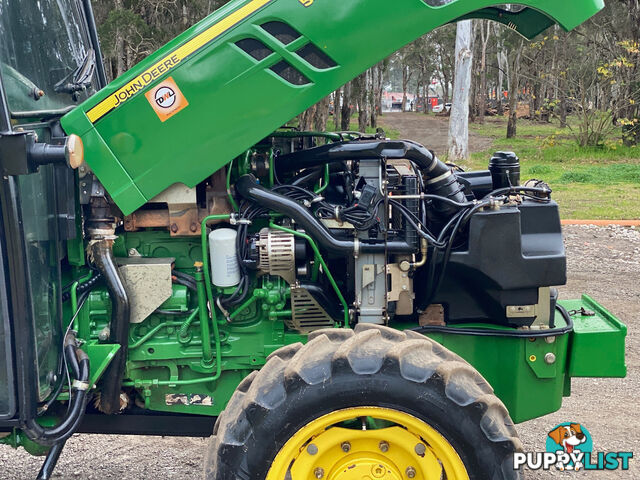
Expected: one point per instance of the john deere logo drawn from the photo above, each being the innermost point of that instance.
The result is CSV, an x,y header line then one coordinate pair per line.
x,y
165,97
306,3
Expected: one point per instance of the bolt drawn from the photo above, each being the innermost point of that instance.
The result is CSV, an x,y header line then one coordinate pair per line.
x,y
420,449
550,358
378,471
174,227
405,265
193,227
319,472
312,449
411,472
346,446
384,446
404,287
104,334
549,339
133,252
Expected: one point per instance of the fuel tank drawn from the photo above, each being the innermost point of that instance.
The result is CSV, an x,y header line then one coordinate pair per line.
x,y
245,70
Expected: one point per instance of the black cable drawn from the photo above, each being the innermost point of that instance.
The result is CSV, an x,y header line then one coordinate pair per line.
x,y
88,285
502,191
463,218
453,203
487,332
62,359
185,279
422,231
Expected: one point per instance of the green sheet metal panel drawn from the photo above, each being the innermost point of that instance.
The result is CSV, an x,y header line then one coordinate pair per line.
x,y
236,98
516,367
598,342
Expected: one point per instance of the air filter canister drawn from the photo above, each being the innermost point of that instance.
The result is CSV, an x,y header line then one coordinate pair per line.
x,y
505,170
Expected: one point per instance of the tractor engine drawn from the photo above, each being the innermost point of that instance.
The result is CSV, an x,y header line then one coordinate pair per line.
x,y
372,230
305,231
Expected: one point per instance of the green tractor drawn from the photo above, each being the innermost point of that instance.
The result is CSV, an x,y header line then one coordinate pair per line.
x,y
330,305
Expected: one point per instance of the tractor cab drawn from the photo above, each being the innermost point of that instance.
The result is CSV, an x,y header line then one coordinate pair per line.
x,y
48,65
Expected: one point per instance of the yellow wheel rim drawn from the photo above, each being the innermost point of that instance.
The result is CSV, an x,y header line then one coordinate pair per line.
x,y
407,449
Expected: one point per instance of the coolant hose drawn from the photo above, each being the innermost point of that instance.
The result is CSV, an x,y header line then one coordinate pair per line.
x,y
440,180
248,187
102,254
66,428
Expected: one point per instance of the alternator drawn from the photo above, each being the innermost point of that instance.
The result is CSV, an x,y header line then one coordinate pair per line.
x,y
277,254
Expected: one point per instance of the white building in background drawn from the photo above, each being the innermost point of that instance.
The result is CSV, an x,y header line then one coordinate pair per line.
x,y
392,101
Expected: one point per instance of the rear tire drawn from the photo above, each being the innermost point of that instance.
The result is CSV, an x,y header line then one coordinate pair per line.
x,y
372,366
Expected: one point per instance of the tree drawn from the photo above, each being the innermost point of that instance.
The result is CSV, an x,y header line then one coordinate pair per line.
x,y
345,115
459,120
485,34
514,87
361,94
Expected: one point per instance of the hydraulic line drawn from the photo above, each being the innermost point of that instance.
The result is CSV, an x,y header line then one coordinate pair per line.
x,y
207,356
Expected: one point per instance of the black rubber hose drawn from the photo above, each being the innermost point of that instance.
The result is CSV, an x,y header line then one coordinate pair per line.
x,y
83,287
248,187
440,179
102,255
72,361
308,177
66,428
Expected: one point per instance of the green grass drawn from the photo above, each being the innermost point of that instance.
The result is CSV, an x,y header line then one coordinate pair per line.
x,y
588,183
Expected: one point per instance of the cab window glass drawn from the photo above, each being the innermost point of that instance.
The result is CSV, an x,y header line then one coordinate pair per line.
x,y
43,47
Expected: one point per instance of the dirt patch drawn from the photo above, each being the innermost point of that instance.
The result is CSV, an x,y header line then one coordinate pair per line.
x,y
430,131
603,262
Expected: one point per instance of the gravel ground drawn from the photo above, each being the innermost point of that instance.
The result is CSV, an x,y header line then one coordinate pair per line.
x,y
603,262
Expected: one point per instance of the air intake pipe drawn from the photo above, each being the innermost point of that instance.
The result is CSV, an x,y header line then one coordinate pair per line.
x,y
102,254
248,187
439,178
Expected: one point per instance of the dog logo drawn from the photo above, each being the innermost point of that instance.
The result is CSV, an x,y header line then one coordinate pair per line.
x,y
568,438
569,447
166,99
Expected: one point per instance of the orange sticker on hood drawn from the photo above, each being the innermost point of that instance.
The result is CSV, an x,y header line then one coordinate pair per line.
x,y
166,99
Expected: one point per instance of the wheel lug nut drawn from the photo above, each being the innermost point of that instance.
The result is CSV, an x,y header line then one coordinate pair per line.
x,y
319,472
346,446
420,449
383,446
312,449
411,472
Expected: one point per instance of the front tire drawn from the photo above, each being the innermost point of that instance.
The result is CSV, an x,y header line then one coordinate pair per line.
x,y
426,413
